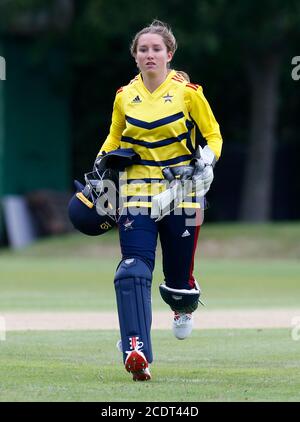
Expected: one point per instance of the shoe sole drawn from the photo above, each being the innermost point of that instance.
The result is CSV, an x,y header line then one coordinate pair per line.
x,y
136,364
141,376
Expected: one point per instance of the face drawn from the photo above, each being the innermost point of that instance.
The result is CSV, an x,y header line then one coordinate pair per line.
x,y
152,56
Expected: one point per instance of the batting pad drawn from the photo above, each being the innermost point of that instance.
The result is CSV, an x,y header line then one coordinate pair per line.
x,y
181,300
133,292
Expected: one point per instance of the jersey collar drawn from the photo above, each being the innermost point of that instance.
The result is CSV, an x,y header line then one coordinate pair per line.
x,y
160,87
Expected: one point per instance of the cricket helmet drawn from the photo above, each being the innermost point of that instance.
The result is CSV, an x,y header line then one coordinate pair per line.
x,y
93,208
83,212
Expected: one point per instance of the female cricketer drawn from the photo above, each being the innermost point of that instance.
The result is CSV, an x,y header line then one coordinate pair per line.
x,y
159,114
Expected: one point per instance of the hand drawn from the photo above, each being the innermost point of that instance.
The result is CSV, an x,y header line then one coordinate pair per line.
x,y
207,177
202,177
178,173
203,174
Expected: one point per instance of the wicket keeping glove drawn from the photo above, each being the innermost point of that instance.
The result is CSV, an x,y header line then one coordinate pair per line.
x,y
203,174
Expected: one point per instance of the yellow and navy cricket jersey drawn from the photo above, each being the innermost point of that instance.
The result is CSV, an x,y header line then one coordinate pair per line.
x,y
161,127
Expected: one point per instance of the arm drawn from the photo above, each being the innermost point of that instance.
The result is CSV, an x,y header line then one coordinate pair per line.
x,y
117,126
202,114
205,158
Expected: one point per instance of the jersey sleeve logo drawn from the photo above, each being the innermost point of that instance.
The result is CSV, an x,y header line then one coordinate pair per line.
x,y
193,86
179,78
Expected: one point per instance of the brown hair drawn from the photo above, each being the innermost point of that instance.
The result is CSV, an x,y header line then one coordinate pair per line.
x,y
184,75
165,31
159,28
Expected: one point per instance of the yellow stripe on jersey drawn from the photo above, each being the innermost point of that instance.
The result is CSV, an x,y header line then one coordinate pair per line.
x,y
142,189
145,189
143,204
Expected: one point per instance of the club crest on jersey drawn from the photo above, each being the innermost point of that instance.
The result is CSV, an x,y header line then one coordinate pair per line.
x,y
168,98
128,224
136,100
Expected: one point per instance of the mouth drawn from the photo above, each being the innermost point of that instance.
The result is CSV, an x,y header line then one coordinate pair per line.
x,y
150,64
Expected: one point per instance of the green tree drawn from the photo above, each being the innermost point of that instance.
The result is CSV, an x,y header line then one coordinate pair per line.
x,y
266,31
254,40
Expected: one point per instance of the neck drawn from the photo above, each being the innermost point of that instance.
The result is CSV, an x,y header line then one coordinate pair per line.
x,y
152,82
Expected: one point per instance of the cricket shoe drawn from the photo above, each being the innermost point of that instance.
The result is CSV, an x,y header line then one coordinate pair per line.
x,y
136,363
182,325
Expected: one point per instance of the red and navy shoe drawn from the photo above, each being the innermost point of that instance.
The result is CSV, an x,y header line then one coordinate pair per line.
x,y
136,363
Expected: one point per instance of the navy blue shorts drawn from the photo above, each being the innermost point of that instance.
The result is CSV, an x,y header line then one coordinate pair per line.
x,y
178,237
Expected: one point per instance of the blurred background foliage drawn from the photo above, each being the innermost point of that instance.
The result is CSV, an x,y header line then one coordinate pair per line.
x,y
239,51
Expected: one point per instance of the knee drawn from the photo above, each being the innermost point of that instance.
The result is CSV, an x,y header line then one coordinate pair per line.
x,y
133,269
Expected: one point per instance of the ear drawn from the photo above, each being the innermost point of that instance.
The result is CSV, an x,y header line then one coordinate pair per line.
x,y
170,56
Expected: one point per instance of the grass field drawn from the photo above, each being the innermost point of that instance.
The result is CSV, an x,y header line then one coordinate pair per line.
x,y
238,266
87,283
213,365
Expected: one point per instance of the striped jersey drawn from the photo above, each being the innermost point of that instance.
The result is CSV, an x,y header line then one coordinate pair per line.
x,y
161,126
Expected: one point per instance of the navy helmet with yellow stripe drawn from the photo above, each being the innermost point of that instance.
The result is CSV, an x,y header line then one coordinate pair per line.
x,y
83,213
93,208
